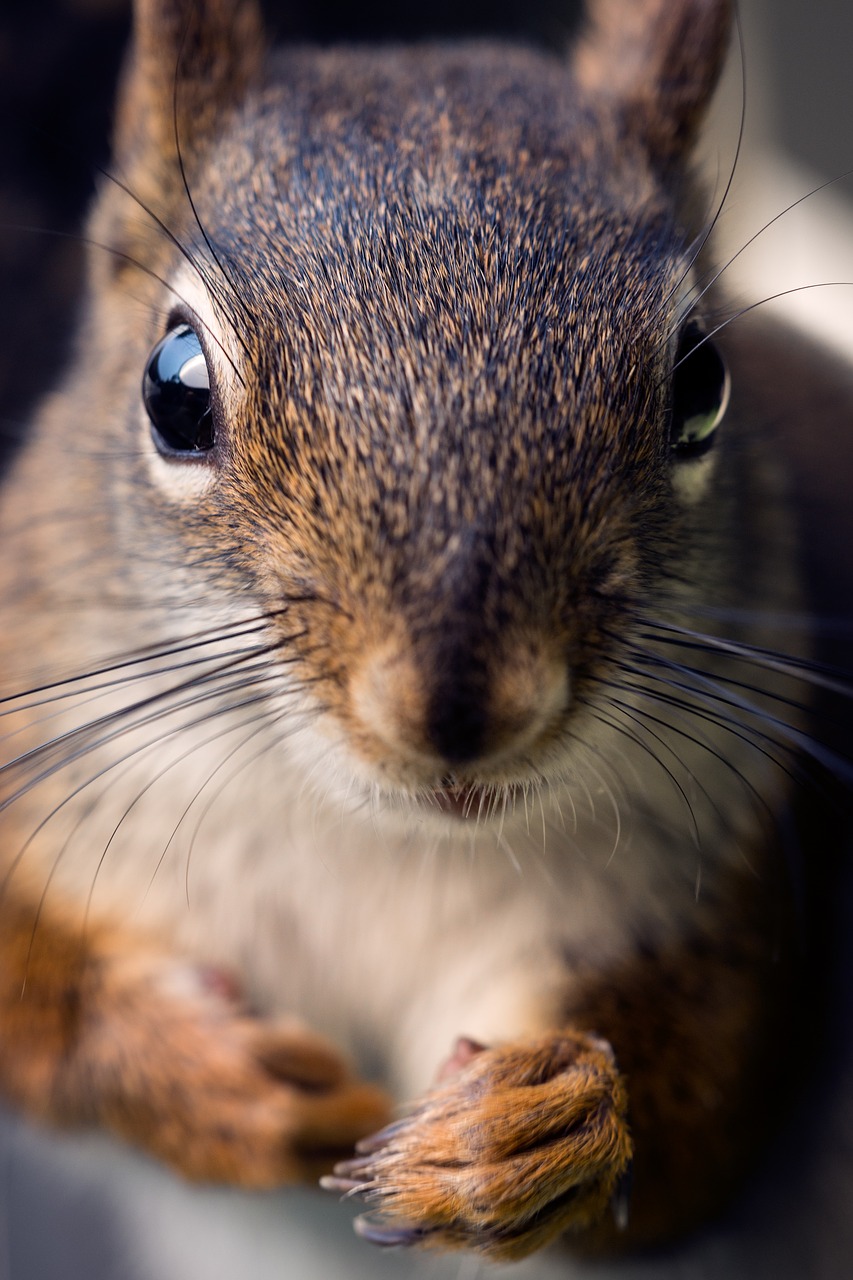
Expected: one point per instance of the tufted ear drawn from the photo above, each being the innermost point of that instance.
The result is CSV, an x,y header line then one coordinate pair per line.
x,y
658,62
189,61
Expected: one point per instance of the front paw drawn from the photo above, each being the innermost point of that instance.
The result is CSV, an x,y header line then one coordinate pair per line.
x,y
168,1058
524,1142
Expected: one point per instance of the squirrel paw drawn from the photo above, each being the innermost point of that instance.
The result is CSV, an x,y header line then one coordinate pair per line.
x,y
171,1061
520,1144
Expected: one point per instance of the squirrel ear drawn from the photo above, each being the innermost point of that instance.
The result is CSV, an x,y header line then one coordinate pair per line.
x,y
188,60
658,62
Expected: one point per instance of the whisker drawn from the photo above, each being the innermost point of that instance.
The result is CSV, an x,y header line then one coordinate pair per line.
x,y
554,799
644,746
702,240
648,659
149,654
544,821
753,306
140,748
761,230
607,790
235,292
725,695
128,760
807,623
709,711
93,693
259,728
120,717
196,746
697,739
91,243
833,680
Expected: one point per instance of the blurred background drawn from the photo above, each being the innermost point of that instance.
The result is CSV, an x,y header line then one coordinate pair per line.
x,y
79,1208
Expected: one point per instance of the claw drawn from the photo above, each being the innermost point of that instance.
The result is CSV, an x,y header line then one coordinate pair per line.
x,y
376,1141
345,1168
350,1177
389,1237
343,1186
620,1201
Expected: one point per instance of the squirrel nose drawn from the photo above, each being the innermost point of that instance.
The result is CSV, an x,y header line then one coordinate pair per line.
x,y
457,723
461,715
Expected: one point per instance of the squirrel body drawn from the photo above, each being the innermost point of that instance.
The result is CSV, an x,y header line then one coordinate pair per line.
x,y
415,700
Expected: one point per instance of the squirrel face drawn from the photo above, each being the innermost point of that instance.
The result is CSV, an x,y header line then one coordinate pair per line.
x,y
439,315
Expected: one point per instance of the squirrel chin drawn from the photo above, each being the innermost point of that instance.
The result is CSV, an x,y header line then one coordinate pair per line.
x,y
454,806
471,802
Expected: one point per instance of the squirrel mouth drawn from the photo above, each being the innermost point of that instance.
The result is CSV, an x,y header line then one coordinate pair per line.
x,y
468,801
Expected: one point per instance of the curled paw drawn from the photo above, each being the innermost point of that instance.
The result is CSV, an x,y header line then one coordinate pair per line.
x,y
516,1145
169,1058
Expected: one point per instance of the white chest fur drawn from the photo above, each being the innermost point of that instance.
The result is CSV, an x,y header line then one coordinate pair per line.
x,y
391,936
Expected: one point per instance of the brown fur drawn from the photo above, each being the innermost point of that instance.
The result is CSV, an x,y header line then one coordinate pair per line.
x,y
657,64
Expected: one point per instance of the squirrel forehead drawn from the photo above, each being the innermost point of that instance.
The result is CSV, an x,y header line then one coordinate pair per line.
x,y
479,97
449,140
453,201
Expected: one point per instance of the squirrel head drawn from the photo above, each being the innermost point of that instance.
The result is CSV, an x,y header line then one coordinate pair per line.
x,y
437,296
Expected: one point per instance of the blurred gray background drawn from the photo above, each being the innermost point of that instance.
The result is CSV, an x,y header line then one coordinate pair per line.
x,y
77,1207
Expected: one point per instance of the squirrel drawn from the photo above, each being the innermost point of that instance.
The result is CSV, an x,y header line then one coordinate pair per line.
x,y
392,705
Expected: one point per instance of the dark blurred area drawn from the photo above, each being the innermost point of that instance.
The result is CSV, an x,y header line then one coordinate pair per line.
x,y
58,63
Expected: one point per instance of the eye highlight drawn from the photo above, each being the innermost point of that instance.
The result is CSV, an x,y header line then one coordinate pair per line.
x,y
700,393
176,394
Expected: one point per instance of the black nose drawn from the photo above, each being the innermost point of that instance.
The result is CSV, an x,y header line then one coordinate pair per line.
x,y
457,720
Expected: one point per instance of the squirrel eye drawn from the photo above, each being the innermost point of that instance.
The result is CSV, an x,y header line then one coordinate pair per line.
x,y
700,393
176,393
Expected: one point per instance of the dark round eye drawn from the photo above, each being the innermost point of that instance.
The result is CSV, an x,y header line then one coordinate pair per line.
x,y
176,392
700,393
